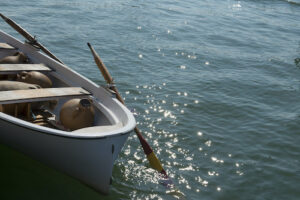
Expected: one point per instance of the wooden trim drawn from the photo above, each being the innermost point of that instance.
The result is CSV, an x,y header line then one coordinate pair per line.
x,y
44,94
6,68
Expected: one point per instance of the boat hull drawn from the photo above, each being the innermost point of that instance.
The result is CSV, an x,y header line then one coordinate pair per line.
x,y
89,160
87,155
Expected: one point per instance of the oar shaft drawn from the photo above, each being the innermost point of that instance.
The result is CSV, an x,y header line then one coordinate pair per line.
x,y
28,36
153,160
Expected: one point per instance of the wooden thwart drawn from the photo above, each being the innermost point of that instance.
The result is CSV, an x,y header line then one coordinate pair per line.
x,y
6,46
18,96
6,68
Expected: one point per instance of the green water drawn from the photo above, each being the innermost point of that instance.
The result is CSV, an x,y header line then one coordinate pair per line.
x,y
215,85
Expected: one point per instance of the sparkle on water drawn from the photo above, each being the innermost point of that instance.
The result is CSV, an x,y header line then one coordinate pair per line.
x,y
214,86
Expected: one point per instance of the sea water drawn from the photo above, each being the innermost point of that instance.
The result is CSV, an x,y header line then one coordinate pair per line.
x,y
215,86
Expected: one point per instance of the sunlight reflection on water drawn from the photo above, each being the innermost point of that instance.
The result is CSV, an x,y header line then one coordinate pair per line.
x,y
214,87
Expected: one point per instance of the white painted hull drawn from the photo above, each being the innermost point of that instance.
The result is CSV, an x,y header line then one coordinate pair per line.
x,y
86,155
88,160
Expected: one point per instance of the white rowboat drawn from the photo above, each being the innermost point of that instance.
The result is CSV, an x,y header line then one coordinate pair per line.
x,y
87,154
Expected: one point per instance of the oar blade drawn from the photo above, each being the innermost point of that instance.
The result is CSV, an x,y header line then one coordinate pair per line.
x,y
152,158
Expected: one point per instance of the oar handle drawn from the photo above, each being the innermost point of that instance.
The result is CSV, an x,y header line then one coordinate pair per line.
x,y
101,66
29,37
17,28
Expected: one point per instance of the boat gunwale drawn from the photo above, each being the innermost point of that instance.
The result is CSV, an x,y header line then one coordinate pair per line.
x,y
19,122
66,134
120,131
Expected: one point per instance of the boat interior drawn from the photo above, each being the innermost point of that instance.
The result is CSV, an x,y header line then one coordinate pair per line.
x,y
31,92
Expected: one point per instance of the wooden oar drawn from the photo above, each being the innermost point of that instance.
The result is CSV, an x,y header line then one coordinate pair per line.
x,y
154,162
152,158
29,37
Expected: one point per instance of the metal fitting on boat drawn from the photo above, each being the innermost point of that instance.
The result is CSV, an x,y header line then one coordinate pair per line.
x,y
112,148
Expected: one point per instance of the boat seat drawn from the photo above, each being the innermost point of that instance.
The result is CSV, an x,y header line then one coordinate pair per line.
x,y
15,68
43,94
6,46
